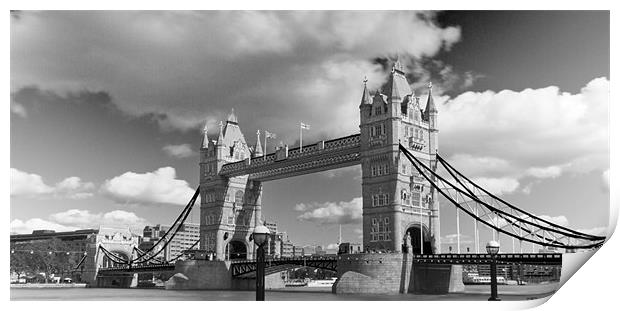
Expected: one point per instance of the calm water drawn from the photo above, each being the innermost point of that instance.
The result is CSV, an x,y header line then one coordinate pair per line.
x,y
475,292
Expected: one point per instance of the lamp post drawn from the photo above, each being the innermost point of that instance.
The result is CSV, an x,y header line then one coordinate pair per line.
x,y
260,238
493,249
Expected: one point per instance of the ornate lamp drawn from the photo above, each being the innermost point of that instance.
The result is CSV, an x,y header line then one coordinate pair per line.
x,y
493,249
260,235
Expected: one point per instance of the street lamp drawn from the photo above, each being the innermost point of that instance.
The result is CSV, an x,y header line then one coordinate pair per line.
x,y
260,238
493,249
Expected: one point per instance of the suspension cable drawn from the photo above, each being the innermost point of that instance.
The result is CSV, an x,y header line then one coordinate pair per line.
x,y
592,237
412,159
501,213
181,254
183,215
190,205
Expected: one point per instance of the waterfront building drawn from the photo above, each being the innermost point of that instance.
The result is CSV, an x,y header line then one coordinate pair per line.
x,y
187,235
76,241
80,244
350,248
288,249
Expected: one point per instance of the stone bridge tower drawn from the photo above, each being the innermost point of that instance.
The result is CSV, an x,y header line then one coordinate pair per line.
x,y
398,203
229,207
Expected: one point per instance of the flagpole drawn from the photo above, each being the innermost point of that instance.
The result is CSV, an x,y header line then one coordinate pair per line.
x,y
265,152
300,137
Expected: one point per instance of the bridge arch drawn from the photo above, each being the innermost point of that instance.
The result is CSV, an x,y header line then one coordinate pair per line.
x,y
413,241
236,249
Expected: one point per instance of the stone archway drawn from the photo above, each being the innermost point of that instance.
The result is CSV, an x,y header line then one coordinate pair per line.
x,y
417,245
236,250
108,263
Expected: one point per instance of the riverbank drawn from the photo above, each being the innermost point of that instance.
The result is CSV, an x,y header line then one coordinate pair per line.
x,y
48,285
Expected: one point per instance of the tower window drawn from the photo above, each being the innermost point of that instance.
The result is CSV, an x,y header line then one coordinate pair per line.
x,y
239,197
415,198
378,110
405,197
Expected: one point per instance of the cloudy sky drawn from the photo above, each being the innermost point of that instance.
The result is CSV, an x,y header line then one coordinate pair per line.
x,y
107,108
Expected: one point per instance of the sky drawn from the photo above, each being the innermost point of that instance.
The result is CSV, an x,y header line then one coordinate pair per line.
x,y
107,109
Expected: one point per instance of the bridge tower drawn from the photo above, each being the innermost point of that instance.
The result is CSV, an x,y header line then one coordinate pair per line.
x,y
229,207
397,201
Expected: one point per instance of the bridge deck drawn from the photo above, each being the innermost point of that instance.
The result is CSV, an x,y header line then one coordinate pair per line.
x,y
321,156
247,268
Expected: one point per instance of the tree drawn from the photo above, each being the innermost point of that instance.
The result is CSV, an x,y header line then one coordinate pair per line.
x,y
48,256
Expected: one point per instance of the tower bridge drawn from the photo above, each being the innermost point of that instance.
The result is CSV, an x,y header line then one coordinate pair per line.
x,y
397,149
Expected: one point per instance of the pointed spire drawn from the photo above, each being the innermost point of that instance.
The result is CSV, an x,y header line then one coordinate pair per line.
x,y
397,86
232,118
220,137
398,67
430,103
258,149
366,99
205,138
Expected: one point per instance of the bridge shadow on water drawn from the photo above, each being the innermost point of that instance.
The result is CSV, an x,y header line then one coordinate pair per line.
x,y
473,293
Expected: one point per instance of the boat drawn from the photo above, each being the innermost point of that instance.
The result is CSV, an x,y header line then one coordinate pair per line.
x,y
322,283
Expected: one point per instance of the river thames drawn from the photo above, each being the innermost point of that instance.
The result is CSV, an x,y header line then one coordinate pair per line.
x,y
472,293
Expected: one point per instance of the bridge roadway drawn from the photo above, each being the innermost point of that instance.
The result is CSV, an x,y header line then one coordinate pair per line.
x,y
247,268
321,156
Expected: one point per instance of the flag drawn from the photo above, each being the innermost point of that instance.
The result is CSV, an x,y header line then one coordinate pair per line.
x,y
304,126
270,135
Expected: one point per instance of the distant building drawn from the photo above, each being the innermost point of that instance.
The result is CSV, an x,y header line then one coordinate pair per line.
x,y
298,251
349,248
308,250
77,241
272,226
288,249
80,243
318,251
187,235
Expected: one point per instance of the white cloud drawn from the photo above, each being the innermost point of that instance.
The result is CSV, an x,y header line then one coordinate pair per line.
x,y
545,172
331,246
332,212
19,226
480,166
558,220
74,188
25,184
18,109
542,132
85,219
497,186
453,239
159,186
600,231
605,177
303,61
179,151
354,170
32,185
75,219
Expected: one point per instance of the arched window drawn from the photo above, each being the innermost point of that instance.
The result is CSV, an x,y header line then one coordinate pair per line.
x,y
239,197
404,195
415,198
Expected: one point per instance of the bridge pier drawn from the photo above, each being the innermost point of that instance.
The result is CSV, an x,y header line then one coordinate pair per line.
x,y
394,273
121,280
214,275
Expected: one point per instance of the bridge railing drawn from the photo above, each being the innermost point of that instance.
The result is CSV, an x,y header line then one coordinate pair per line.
x,y
241,167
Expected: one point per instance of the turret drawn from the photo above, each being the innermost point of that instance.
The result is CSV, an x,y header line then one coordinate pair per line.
x,y
430,112
258,149
205,138
366,98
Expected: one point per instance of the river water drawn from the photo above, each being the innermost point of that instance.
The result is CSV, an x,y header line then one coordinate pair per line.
x,y
472,292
